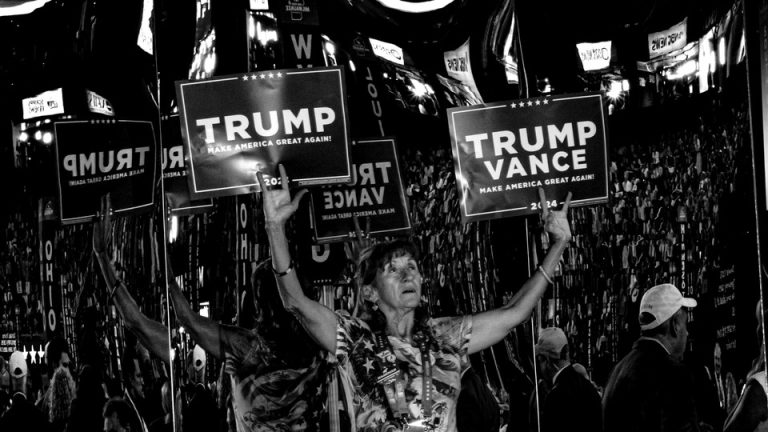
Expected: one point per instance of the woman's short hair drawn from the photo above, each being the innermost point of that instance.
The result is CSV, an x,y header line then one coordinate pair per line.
x,y
377,256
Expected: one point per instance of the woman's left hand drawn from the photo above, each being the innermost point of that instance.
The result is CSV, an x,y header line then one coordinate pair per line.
x,y
278,205
556,221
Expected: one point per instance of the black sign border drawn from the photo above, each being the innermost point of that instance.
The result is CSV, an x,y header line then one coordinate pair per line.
x,y
466,218
336,239
255,185
67,221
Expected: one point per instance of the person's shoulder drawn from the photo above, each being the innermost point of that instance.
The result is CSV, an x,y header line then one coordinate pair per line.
x,y
447,324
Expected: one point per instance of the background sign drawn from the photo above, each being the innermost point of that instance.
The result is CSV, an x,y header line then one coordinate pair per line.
x,y
175,173
668,40
377,193
594,56
100,156
504,151
235,125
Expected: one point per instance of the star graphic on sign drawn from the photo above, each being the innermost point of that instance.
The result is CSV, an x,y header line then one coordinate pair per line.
x,y
279,74
245,77
538,102
368,345
253,77
530,103
262,76
513,105
271,75
546,101
368,365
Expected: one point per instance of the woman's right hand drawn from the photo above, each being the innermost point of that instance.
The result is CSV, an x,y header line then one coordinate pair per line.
x,y
556,221
278,205
102,227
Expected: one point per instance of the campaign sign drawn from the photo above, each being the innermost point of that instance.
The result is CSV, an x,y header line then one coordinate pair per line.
x,y
376,193
100,156
174,167
236,125
504,151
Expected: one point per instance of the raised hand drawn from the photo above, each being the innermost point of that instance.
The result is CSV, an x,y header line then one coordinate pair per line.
x,y
278,205
102,227
358,241
556,221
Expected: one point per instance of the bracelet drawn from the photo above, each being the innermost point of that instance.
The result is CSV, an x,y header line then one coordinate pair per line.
x,y
283,273
545,274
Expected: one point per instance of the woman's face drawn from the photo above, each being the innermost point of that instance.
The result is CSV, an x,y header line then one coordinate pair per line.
x,y
398,284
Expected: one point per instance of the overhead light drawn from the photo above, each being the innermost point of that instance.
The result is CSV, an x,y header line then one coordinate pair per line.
x,y
625,85
23,137
614,91
415,7
47,138
721,51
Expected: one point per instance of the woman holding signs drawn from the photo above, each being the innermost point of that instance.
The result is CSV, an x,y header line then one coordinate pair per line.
x,y
400,367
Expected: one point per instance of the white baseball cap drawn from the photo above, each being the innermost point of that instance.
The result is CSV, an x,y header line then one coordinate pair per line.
x,y
551,342
662,301
18,365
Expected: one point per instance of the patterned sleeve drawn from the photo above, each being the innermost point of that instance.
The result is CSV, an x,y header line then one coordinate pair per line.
x,y
349,330
453,334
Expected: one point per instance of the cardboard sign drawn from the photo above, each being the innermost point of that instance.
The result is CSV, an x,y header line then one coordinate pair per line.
x,y
668,40
504,151
594,56
175,172
100,156
377,193
236,125
47,103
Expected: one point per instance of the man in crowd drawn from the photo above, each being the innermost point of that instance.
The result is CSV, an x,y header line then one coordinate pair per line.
x,y
134,388
573,403
200,413
120,417
22,415
649,389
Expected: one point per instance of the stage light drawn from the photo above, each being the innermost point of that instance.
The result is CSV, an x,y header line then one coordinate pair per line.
x,y
23,136
625,85
418,88
47,138
352,66
614,91
38,135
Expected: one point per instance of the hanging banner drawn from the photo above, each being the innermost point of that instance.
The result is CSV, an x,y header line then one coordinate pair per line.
x,y
387,51
175,172
594,56
45,104
100,156
377,193
668,40
458,66
298,12
51,295
504,151
236,125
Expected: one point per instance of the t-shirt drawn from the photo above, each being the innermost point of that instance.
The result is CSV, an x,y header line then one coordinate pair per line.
x,y
268,396
356,360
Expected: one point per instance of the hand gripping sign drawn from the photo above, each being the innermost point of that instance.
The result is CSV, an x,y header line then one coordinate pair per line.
x,y
236,125
504,151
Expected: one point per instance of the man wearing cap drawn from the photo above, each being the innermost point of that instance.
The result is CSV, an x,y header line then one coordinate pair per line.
x,y
649,389
22,415
200,412
572,404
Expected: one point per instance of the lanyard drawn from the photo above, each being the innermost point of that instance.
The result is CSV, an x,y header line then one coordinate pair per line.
x,y
394,383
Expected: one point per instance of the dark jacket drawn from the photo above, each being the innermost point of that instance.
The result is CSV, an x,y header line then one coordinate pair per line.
x,y
649,391
23,416
573,404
